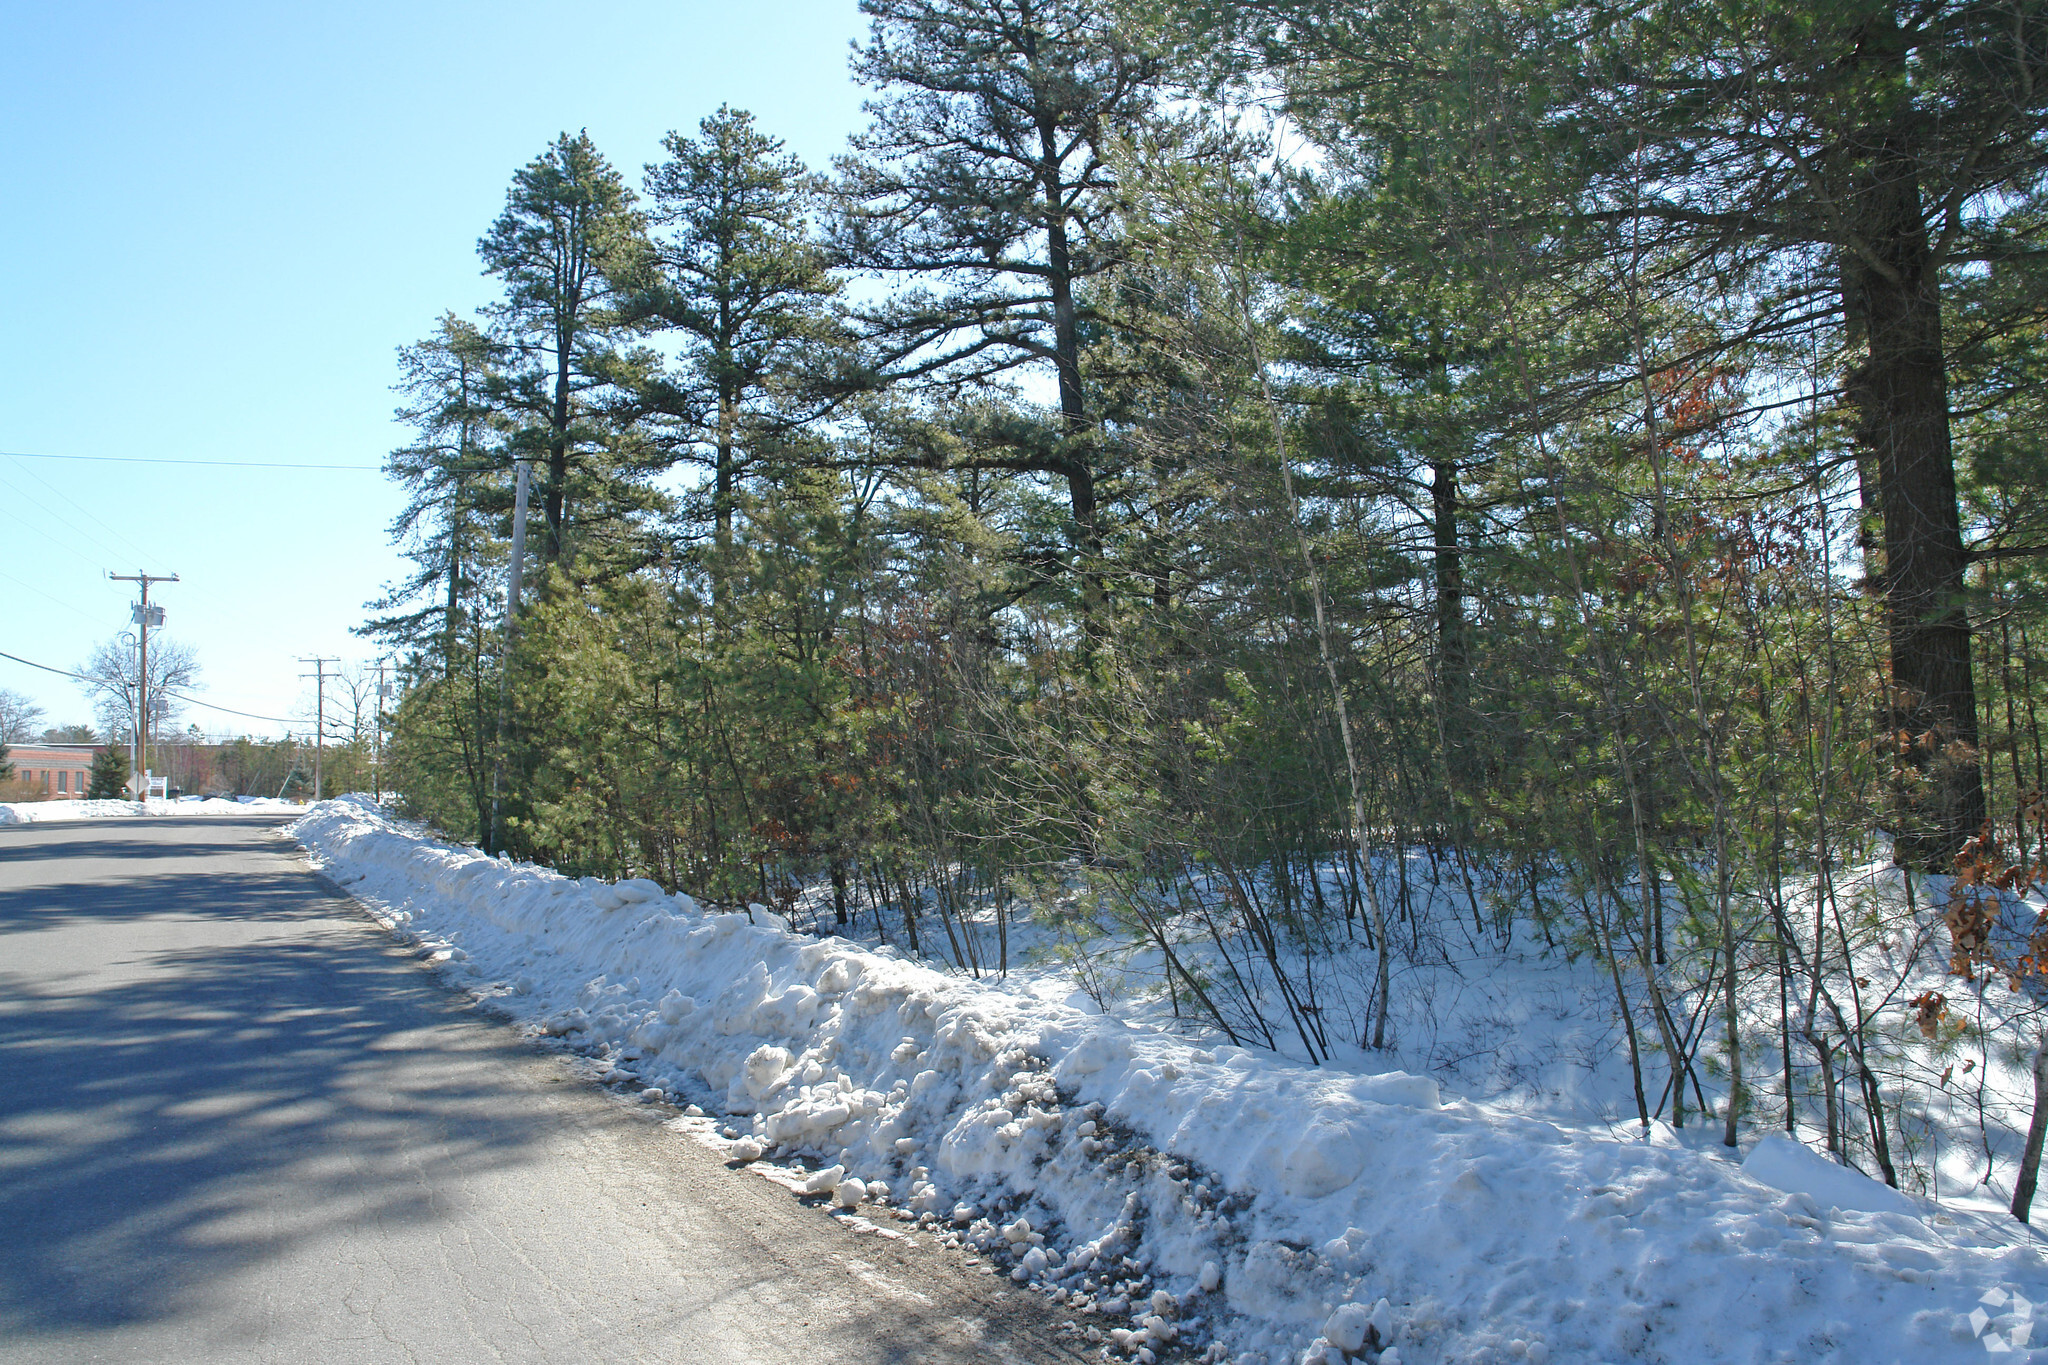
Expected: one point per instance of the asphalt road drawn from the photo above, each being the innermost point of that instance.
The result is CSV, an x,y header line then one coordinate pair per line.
x,y
238,1123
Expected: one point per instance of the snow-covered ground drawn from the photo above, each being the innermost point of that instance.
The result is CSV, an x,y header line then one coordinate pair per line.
x,y
37,812
1186,1200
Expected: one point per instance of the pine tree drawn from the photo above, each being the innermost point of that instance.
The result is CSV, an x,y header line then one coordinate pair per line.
x,y
983,188
108,780
567,218
733,271
1854,161
454,474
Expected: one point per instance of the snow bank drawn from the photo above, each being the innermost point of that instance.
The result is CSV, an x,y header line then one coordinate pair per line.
x,y
1221,1200
37,812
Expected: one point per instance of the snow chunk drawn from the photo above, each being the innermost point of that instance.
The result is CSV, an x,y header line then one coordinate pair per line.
x,y
1329,1156
1398,1087
1345,1329
765,1067
1791,1166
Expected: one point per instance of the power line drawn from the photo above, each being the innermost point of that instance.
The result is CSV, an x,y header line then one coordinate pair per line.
x,y
211,464
81,510
68,606
191,701
250,715
55,516
60,672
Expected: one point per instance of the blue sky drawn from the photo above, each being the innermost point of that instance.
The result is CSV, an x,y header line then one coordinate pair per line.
x,y
221,222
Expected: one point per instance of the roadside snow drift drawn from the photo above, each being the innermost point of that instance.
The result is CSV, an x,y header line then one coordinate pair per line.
x,y
1189,1202
37,812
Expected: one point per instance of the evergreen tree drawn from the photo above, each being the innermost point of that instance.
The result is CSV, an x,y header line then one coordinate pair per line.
x,y
1880,149
455,477
734,272
983,188
568,217
108,780
1855,161
444,618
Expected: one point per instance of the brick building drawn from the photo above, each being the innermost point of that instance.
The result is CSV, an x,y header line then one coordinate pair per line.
x,y
56,771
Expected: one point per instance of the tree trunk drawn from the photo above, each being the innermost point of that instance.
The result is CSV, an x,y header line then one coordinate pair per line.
x,y
451,621
2030,1163
554,498
1076,461
1453,650
1892,286
725,477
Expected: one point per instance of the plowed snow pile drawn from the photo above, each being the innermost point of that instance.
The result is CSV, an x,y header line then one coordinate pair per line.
x,y
37,812
1187,1202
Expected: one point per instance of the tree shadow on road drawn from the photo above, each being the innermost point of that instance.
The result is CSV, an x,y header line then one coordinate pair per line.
x,y
249,896
159,1137
57,839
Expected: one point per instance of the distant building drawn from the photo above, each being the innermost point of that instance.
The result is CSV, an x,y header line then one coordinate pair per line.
x,y
57,771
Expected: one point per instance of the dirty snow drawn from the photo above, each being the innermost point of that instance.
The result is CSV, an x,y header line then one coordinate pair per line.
x,y
1184,1201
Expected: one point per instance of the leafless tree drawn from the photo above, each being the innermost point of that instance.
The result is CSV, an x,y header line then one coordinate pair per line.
x,y
111,683
19,718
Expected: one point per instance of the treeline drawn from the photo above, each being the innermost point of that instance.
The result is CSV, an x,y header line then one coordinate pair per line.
x,y
193,765
1179,455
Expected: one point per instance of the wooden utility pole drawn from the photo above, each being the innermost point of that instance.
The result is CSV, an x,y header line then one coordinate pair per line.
x,y
145,617
319,676
377,735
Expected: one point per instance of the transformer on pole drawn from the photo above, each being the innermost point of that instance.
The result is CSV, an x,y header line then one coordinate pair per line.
x,y
145,616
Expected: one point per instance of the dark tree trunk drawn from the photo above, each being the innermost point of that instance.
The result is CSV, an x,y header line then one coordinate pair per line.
x,y
1901,396
555,497
451,623
726,478
1076,460
1453,648
2037,1129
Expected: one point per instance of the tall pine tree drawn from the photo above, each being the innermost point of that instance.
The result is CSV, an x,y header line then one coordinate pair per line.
x,y
567,218
983,189
734,272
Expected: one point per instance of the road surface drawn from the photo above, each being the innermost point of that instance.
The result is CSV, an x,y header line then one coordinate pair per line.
x,y
239,1123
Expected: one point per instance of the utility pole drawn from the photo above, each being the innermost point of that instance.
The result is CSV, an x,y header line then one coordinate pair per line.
x,y
514,574
377,735
145,617
319,677
512,582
